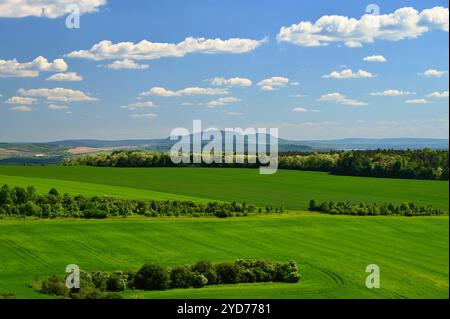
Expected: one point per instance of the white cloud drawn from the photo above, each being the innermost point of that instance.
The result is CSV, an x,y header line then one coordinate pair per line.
x,y
340,99
273,83
349,74
55,107
13,68
44,8
160,91
58,94
20,100
417,101
143,116
139,105
127,65
438,94
375,58
432,73
303,110
404,23
231,82
146,50
392,93
66,77
223,101
22,108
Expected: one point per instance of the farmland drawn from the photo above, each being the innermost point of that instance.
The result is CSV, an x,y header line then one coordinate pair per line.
x,y
291,189
332,251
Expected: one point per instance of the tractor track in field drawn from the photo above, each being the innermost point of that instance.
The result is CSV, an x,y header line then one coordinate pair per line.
x,y
337,280
25,252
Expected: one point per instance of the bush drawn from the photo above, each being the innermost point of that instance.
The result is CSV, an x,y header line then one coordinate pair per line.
x,y
228,273
55,286
199,281
206,269
152,277
117,281
181,277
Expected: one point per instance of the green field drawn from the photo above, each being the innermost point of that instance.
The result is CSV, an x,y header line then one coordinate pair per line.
x,y
292,189
332,251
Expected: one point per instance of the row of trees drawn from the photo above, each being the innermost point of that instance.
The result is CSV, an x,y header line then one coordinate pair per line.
x,y
360,209
22,202
95,285
411,164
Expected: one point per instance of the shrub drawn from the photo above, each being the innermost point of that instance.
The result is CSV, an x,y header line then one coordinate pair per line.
x,y
152,277
181,277
206,269
228,273
55,286
117,281
199,281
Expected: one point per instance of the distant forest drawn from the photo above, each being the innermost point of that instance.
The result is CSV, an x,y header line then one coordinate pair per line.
x,y
424,164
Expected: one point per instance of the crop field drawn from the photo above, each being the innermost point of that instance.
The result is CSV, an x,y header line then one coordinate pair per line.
x,y
291,189
332,251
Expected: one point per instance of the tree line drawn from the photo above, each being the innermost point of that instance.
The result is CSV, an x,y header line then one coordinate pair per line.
x,y
372,209
22,202
409,164
104,285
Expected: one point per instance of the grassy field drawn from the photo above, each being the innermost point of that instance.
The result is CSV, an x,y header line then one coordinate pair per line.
x,y
332,252
292,189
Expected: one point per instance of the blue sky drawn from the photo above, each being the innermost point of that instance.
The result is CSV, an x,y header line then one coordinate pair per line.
x,y
317,86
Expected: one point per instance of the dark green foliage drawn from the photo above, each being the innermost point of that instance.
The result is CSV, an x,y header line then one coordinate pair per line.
x,y
182,277
361,209
152,277
55,286
228,273
206,269
412,164
102,285
19,202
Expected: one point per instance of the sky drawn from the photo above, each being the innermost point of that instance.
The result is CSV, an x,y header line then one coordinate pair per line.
x,y
139,69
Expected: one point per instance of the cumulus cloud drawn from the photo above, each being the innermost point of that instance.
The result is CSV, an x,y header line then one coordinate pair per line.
x,y
404,23
147,50
223,101
22,108
375,58
303,110
55,107
417,101
392,93
438,94
160,91
139,105
432,73
66,77
143,116
13,68
340,99
231,82
20,100
44,8
58,94
273,83
127,65
349,74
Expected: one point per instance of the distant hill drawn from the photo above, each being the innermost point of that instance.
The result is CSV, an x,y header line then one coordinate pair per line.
x,y
54,151
288,145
